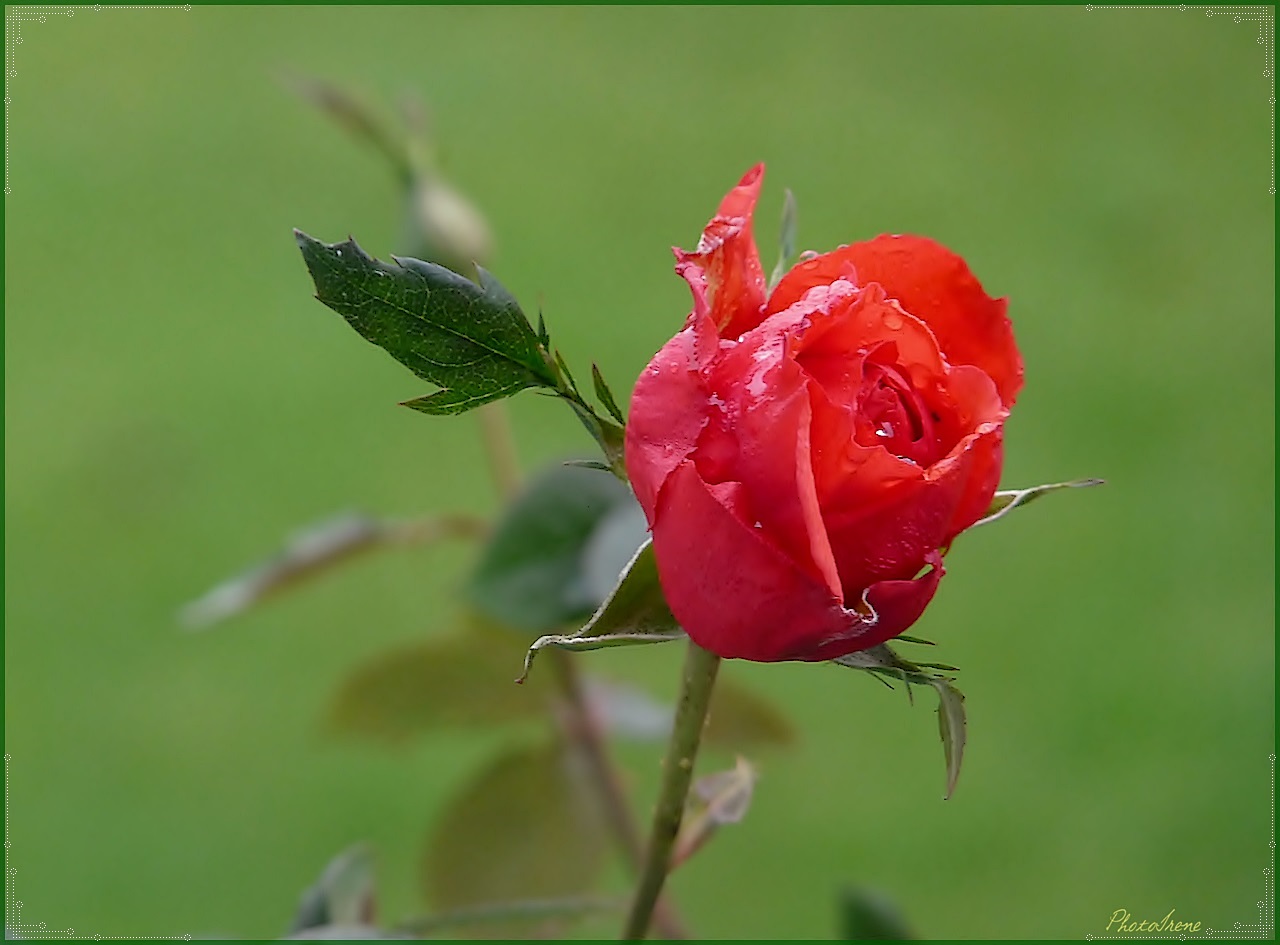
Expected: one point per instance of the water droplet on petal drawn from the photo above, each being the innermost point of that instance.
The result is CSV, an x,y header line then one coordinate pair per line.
x,y
893,321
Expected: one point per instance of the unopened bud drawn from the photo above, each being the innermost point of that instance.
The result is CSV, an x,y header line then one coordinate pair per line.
x,y
443,227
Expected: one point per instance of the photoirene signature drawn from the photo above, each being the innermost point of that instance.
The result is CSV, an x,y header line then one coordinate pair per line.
x,y
1122,921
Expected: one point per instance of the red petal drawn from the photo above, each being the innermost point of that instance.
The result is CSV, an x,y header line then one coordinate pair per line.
x,y
983,481
888,533
726,264
831,349
884,522
668,412
936,286
758,435
897,605
732,591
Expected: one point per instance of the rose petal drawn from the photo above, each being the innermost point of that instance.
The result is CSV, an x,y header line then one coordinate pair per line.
x,y
733,592
668,412
852,323
897,605
936,286
888,533
987,457
757,434
726,264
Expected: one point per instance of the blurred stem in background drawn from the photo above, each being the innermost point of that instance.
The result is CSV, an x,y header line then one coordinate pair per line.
x,y
441,226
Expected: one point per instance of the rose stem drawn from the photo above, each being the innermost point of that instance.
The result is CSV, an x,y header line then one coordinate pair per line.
x,y
698,679
584,732
581,728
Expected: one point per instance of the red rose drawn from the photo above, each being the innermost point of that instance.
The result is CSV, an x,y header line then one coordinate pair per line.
x,y
803,456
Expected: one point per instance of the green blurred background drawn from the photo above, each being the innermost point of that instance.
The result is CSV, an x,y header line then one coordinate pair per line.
x,y
176,402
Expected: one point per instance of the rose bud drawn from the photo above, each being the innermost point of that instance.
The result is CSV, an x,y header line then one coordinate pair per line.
x,y
803,456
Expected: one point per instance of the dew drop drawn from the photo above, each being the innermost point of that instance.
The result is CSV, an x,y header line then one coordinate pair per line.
x,y
893,321
885,429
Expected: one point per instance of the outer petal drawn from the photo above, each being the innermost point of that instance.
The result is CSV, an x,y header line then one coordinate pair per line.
x,y
936,286
738,596
984,480
890,534
667,415
758,434
726,264
896,604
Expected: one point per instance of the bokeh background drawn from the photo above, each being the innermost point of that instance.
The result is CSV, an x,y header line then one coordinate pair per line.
x,y
176,403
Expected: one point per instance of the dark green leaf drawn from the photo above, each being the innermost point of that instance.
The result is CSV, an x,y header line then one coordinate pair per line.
x,y
610,437
470,340
635,613
740,718
606,395
459,680
588,464
528,827
883,661
563,366
531,573
951,726
1005,502
886,664
867,916
342,896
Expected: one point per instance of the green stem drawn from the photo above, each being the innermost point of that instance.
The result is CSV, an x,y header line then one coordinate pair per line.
x,y
584,732
698,680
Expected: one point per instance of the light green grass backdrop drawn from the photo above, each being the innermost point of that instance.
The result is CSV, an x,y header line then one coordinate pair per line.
x,y
176,402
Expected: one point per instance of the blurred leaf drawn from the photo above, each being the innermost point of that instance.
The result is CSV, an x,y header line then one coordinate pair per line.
x,y
528,827
626,711
635,613
355,117
609,550
464,679
342,896
531,572
1005,502
472,341
606,395
741,718
719,799
345,933
572,907
786,239
951,726
313,551
866,915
